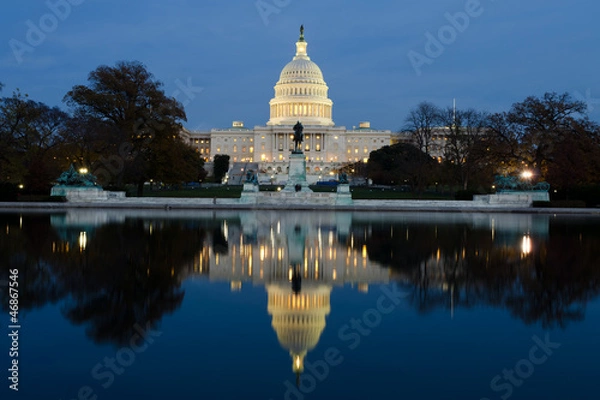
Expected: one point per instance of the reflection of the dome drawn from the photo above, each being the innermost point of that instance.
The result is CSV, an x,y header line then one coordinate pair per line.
x,y
299,259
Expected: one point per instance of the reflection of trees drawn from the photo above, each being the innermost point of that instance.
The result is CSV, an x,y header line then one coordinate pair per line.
x,y
128,273
462,266
21,248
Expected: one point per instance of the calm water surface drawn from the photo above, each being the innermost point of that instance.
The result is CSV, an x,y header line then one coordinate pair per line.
x,y
299,305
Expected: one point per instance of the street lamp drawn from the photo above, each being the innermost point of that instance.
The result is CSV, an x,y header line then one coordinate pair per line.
x,y
527,175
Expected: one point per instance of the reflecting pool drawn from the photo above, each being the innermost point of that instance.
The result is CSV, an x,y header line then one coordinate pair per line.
x,y
299,305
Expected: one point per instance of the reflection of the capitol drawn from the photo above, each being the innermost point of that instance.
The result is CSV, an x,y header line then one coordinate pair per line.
x,y
299,258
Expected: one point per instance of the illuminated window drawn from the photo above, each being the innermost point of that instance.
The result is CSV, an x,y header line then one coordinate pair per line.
x,y
318,147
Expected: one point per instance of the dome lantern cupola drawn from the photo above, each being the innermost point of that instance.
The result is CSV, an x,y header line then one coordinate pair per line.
x,y
301,92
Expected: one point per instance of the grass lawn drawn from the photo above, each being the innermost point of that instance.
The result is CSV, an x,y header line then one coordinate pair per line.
x,y
202,192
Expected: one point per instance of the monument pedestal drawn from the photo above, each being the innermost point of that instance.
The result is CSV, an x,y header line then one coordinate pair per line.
x,y
343,194
297,174
250,193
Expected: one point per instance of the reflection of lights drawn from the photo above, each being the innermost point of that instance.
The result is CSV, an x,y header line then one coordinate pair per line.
x,y
83,171
82,241
290,275
526,245
262,253
334,274
297,362
21,186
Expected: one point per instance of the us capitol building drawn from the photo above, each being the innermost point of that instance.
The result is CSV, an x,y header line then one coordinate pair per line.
x,y
301,94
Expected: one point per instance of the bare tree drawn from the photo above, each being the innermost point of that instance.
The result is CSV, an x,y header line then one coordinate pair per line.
x,y
421,122
465,135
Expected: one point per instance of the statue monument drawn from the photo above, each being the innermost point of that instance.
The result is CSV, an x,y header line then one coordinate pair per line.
x,y
297,169
81,186
298,138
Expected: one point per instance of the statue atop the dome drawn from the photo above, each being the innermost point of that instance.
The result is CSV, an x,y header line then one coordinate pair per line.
x,y
298,138
302,33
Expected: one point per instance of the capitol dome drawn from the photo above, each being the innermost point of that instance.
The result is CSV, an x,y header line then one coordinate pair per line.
x,y
301,92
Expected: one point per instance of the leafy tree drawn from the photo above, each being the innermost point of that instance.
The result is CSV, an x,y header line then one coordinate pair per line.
x,y
540,124
142,123
220,166
400,164
575,162
31,134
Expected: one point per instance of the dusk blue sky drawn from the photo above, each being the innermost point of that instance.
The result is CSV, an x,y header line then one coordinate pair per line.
x,y
232,55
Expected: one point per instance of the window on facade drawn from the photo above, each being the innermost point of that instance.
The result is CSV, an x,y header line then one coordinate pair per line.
x,y
243,149
235,148
218,149
318,147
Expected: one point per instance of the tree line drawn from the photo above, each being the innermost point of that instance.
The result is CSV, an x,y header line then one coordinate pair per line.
x,y
121,127
550,136
124,129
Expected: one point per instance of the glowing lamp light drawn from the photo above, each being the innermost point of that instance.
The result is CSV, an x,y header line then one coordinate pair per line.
x,y
527,175
83,171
